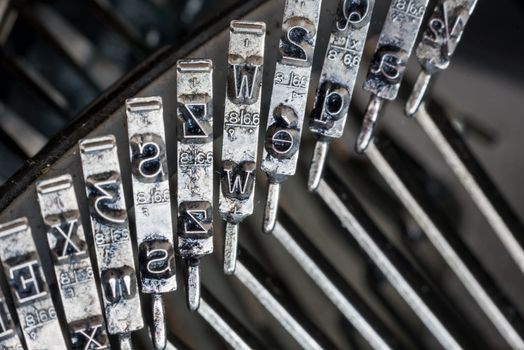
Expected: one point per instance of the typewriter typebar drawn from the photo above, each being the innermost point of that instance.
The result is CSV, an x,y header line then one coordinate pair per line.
x,y
111,237
9,339
152,202
288,99
29,290
439,41
241,126
195,169
72,265
388,65
337,80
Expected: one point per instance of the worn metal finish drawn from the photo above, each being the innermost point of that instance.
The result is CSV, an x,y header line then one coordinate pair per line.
x,y
338,77
241,126
289,98
112,240
152,202
9,339
455,253
72,264
195,169
439,41
29,290
388,65
383,255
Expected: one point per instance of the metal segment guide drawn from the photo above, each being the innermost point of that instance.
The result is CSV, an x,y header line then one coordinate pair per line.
x,y
289,98
73,269
111,237
29,290
337,80
388,65
152,201
241,125
440,39
195,169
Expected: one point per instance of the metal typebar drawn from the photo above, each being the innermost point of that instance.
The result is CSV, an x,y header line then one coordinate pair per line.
x,y
152,203
112,239
408,283
337,79
388,65
28,286
488,199
347,301
241,125
300,328
72,264
456,254
195,169
9,339
288,99
440,39
232,331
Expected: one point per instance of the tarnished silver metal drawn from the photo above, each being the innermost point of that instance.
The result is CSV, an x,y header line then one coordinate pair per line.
x,y
9,339
241,125
289,98
337,80
112,240
73,269
441,38
195,169
29,290
152,202
388,65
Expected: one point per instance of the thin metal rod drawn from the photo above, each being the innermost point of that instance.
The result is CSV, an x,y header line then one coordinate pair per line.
x,y
332,284
368,124
419,92
317,164
225,324
124,341
431,316
271,210
477,183
192,279
295,324
158,330
468,271
230,248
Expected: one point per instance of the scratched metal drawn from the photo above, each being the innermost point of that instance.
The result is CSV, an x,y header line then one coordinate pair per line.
x,y
394,47
9,339
440,40
290,88
340,69
338,77
110,228
195,168
241,127
28,286
152,202
73,269
288,99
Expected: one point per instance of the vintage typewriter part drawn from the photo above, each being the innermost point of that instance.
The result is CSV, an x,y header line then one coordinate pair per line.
x,y
111,236
388,65
194,169
337,80
372,260
73,269
152,203
288,99
240,133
